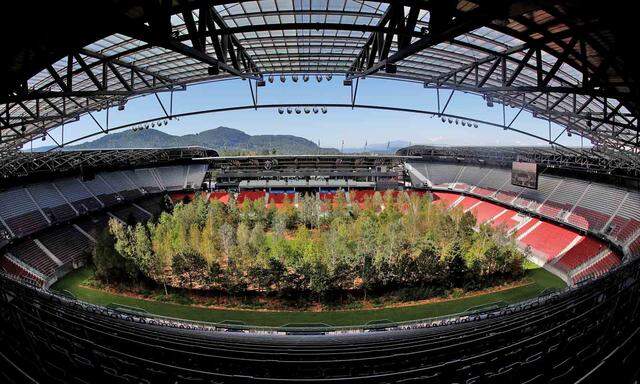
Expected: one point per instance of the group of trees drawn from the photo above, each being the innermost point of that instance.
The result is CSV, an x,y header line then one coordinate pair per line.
x,y
320,247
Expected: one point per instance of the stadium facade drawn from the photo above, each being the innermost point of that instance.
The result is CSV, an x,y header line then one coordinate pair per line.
x,y
564,61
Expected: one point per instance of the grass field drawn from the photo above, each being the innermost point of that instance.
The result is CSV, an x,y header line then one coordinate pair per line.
x,y
541,280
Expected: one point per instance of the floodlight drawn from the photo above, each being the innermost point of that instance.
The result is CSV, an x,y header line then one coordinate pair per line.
x,y
305,78
281,110
294,78
315,109
289,110
329,77
282,79
324,110
271,78
319,78
298,111
307,110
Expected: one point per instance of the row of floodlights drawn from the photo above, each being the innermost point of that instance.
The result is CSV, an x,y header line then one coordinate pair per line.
x,y
299,110
295,78
459,122
153,124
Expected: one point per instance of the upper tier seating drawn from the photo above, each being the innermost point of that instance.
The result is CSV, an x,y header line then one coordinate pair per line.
x,y
51,202
146,179
533,198
102,191
563,198
442,173
121,184
67,244
471,175
195,175
78,195
20,213
626,223
173,177
495,179
596,206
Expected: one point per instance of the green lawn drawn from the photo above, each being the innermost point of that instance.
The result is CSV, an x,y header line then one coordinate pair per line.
x,y
540,277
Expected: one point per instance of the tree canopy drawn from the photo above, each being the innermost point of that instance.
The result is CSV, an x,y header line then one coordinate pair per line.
x,y
390,241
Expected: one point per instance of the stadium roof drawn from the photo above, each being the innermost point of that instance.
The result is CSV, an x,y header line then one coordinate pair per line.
x,y
53,164
567,61
584,160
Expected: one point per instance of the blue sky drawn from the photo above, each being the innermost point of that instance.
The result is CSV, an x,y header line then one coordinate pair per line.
x,y
355,127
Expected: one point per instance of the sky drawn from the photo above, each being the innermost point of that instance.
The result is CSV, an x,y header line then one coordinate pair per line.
x,y
354,127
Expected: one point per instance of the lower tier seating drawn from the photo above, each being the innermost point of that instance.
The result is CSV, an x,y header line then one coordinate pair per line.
x,y
599,268
67,244
548,240
579,254
30,253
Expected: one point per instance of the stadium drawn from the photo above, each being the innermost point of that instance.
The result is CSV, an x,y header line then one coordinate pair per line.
x,y
272,307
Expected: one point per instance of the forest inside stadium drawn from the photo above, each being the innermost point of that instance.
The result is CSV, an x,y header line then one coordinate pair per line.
x,y
395,246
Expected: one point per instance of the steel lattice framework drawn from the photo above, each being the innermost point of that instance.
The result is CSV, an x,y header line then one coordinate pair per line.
x,y
556,59
53,164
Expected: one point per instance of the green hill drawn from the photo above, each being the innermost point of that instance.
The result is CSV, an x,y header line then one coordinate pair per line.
x,y
224,140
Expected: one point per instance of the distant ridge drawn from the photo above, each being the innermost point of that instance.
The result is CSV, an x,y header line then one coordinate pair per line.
x,y
223,139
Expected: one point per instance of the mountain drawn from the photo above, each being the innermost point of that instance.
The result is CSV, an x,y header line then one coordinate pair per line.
x,y
223,139
383,148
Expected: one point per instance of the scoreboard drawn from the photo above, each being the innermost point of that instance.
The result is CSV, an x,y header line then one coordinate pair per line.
x,y
524,174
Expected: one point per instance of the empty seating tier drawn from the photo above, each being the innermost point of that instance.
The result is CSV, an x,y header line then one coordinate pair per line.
x,y
78,195
30,253
131,214
20,213
278,199
447,199
173,178
94,225
486,211
51,202
599,268
67,244
548,240
582,252
250,196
